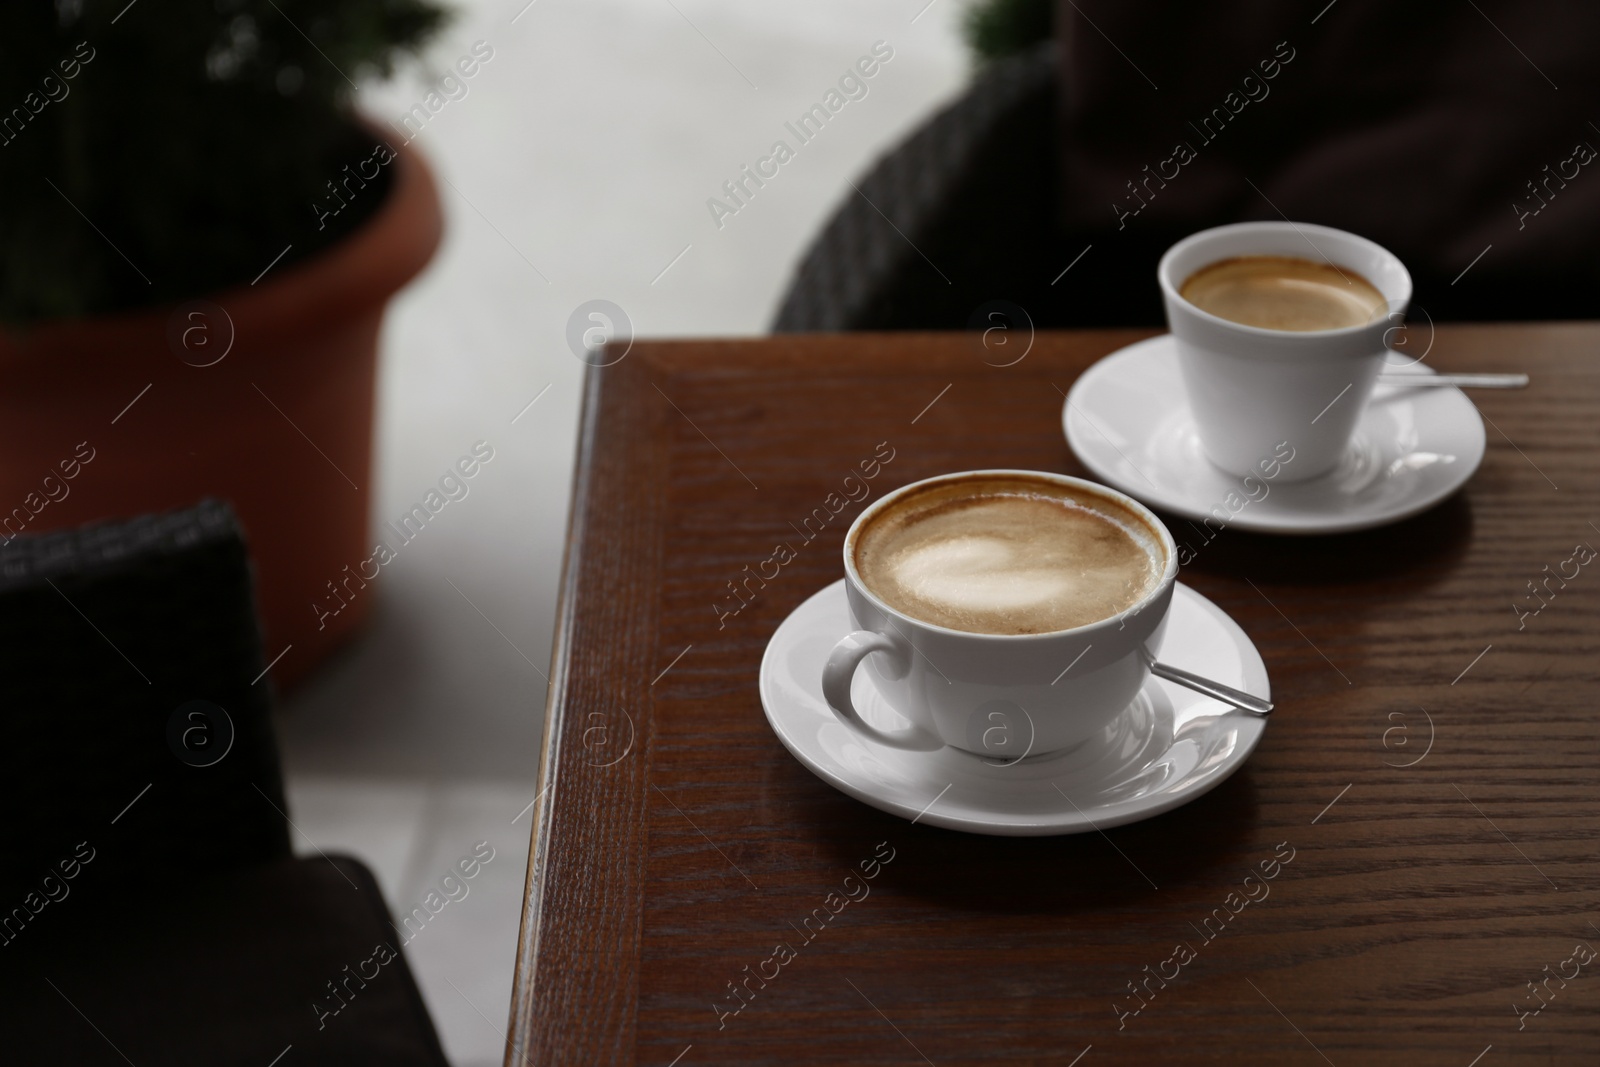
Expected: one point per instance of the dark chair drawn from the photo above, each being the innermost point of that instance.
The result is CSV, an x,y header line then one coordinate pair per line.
x,y
1461,157
150,909
958,214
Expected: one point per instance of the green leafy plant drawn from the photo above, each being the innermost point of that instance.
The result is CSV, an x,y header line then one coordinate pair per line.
x,y
997,28
162,149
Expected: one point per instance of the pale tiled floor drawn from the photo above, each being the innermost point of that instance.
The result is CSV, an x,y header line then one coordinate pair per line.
x,y
578,165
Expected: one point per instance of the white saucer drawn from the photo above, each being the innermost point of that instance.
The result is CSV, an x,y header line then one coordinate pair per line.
x,y
1170,746
1128,420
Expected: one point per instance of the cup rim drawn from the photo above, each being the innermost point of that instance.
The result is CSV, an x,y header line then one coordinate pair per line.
x,y
1169,288
1163,585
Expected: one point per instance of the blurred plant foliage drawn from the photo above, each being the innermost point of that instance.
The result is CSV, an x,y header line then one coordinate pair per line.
x,y
998,28
161,149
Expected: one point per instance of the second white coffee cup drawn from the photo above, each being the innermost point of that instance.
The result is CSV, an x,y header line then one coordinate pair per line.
x,y
1259,394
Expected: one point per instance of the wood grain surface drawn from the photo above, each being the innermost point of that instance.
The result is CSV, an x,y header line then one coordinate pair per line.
x,y
1433,767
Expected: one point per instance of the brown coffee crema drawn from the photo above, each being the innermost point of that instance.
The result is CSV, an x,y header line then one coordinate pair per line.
x,y
1007,555
1284,293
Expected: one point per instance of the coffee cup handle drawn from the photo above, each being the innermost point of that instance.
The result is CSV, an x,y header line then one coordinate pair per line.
x,y
840,671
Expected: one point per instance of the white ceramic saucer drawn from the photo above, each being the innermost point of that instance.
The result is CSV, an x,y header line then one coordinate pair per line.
x,y
1170,746
1128,420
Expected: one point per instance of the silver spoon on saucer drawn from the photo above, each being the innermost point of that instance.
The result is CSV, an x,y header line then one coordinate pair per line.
x,y
1463,381
1225,693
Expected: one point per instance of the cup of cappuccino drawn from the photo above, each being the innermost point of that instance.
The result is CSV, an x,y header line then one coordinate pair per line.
x,y
1281,331
1007,613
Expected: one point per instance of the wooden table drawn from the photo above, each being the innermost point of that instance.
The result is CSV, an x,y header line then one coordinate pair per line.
x,y
1432,768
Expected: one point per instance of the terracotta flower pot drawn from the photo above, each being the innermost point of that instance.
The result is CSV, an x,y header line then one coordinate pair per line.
x,y
113,416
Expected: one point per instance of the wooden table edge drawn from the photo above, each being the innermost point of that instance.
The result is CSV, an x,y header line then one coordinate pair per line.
x,y
527,950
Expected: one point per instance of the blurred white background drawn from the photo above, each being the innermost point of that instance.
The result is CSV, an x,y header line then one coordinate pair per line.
x,y
577,166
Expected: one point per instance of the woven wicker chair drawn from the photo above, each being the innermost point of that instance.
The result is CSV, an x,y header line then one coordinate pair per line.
x,y
961,213
969,209
150,910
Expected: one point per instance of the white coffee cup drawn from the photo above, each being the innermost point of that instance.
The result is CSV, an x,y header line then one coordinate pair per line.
x,y
1253,390
1000,695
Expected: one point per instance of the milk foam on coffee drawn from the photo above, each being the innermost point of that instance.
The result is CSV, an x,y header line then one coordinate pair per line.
x,y
1007,556
1284,293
